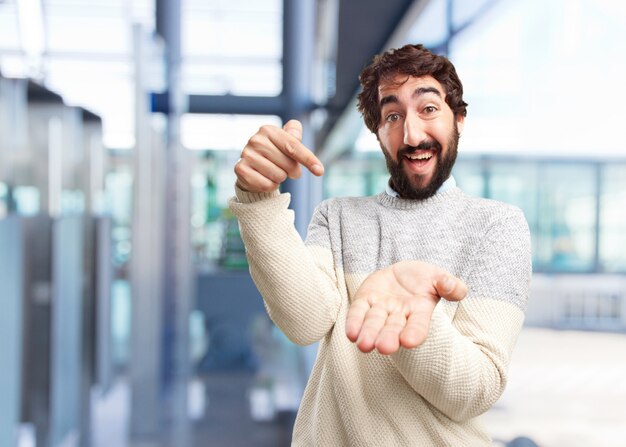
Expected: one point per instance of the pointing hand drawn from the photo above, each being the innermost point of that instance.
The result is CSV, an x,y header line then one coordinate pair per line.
x,y
272,155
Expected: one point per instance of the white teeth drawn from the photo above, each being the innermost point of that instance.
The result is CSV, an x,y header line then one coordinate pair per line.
x,y
422,156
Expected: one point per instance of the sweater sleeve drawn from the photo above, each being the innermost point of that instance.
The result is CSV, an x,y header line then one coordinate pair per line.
x,y
461,368
297,283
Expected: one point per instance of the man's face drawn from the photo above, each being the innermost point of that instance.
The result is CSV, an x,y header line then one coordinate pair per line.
x,y
418,134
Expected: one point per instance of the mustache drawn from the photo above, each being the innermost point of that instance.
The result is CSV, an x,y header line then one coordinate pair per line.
x,y
432,145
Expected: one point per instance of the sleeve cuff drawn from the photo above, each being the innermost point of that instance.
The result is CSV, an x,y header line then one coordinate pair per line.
x,y
251,197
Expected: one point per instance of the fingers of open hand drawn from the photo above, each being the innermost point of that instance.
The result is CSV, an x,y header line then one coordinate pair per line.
x,y
354,320
388,340
450,287
416,330
387,326
376,325
373,323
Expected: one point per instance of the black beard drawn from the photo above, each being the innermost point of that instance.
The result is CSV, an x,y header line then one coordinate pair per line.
x,y
400,181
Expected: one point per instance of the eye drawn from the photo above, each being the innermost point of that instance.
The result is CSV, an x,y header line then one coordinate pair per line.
x,y
430,109
392,117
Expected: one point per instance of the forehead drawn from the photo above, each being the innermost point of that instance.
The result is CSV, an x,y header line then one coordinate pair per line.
x,y
406,83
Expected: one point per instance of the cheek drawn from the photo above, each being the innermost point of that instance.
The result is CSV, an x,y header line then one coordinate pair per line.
x,y
390,141
382,135
441,133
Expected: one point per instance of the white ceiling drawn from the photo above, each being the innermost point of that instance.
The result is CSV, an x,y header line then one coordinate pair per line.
x,y
229,46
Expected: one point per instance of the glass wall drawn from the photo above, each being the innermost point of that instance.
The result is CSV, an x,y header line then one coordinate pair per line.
x,y
566,221
4,200
215,232
612,224
119,195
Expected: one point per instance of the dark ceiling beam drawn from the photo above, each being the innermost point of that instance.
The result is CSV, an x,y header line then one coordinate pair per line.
x,y
39,93
226,104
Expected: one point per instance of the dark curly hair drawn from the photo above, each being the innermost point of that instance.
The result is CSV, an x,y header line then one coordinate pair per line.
x,y
411,60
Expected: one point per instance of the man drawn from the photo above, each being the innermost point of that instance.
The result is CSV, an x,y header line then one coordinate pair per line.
x,y
397,365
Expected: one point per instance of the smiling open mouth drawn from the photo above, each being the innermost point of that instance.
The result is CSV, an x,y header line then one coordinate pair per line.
x,y
419,159
420,156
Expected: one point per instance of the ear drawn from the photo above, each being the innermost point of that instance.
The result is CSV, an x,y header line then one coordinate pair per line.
x,y
460,123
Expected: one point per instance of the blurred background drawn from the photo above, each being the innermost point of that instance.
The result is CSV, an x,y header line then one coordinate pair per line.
x,y
128,314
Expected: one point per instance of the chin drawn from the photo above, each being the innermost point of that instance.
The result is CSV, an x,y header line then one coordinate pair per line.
x,y
420,184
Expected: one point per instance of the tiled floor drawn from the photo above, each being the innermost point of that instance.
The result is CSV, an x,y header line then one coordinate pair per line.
x,y
227,420
566,388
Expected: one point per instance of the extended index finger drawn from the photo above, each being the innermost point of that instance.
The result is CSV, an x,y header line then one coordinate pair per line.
x,y
294,148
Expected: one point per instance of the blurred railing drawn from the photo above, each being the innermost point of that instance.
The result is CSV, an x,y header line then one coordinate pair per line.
x,y
580,302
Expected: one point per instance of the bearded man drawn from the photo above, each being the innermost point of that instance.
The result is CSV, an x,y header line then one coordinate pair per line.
x,y
416,295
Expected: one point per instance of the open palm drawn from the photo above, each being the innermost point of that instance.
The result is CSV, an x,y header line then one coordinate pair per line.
x,y
394,305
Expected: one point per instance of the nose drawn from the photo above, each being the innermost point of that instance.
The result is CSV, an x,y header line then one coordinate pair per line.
x,y
414,132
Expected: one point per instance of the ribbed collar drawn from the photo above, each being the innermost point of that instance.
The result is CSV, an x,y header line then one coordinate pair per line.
x,y
449,194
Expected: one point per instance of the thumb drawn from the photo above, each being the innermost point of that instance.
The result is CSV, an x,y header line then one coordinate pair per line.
x,y
450,287
294,128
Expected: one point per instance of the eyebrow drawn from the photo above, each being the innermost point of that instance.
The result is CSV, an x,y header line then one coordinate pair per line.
x,y
390,99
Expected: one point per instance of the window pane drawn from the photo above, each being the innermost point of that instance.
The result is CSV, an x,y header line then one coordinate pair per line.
x,y
79,34
4,205
345,184
221,132
214,229
468,173
565,237
9,32
232,47
431,27
516,182
613,219
464,11
238,77
519,66
360,176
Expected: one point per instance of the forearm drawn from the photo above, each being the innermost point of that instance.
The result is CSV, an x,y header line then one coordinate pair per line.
x,y
299,293
461,368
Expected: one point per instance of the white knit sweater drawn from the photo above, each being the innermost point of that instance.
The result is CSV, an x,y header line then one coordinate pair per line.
x,y
428,396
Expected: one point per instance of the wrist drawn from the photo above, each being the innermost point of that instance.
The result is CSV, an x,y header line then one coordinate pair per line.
x,y
244,196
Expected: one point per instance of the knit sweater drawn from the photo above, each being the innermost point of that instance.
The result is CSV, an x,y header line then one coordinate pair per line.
x,y
431,395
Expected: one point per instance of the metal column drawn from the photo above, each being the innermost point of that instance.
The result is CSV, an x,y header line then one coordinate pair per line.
x,y
145,361
177,267
11,345
298,55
